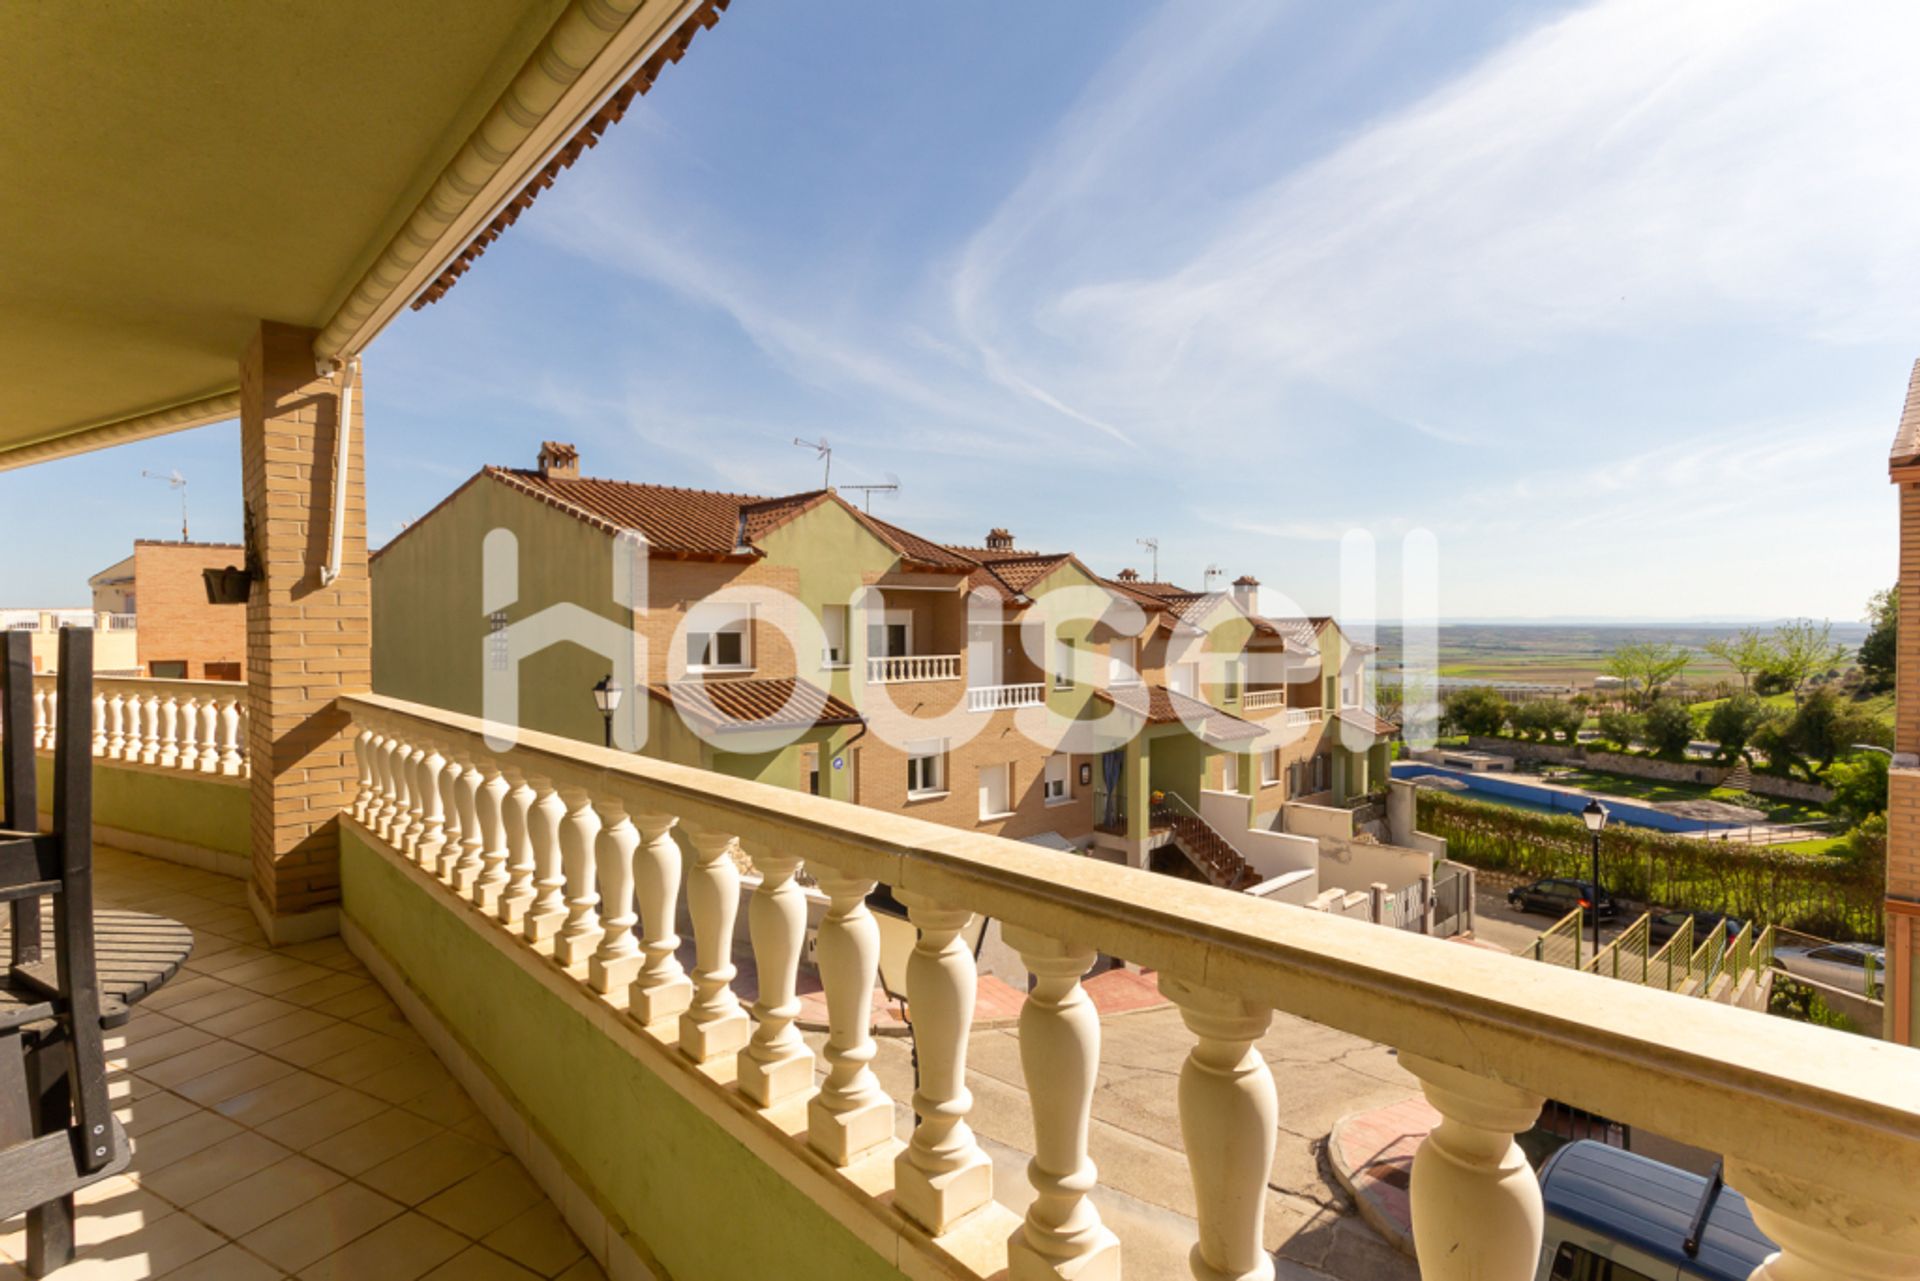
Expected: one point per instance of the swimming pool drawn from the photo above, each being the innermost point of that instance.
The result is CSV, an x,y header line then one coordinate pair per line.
x,y
1505,789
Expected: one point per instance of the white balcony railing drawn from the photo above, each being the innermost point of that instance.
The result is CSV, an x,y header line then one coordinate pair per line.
x,y
1257,699
1819,1129
1305,715
913,667
195,726
999,698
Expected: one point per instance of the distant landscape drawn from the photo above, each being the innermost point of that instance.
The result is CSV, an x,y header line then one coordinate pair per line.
x,y
1563,654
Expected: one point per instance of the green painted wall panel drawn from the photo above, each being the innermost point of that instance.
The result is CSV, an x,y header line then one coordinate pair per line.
x,y
210,812
678,1180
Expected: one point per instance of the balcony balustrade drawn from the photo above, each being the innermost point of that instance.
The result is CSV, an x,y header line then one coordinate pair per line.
x,y
1821,1130
192,726
1000,698
1255,700
913,667
1301,716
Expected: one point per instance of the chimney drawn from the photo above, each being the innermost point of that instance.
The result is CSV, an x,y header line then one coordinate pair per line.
x,y
1246,593
1128,576
999,540
559,461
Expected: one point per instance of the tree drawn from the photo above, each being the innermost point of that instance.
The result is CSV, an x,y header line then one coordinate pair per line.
x,y
1621,728
1877,651
1802,650
1734,721
1477,709
1566,718
1669,728
1823,728
1532,718
1747,653
1647,665
1859,784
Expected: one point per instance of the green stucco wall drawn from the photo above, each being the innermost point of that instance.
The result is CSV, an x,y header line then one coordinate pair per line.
x,y
678,1180
209,812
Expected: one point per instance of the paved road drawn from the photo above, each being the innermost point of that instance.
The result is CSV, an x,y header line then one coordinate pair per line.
x,y
1512,929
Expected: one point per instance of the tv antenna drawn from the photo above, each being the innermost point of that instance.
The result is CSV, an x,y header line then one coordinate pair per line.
x,y
1206,578
892,486
1153,546
823,451
174,480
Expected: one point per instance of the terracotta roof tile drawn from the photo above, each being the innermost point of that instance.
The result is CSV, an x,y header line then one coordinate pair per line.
x,y
694,521
775,703
910,545
1906,440
1362,719
1158,705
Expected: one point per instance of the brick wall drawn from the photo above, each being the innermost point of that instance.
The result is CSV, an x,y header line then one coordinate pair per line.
x,y
170,601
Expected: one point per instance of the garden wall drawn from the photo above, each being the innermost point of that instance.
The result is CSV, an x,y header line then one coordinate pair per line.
x,y
1785,789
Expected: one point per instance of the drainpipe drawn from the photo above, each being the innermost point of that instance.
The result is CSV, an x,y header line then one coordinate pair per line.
x,y
343,444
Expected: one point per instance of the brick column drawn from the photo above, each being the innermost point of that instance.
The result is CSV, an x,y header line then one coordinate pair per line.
x,y
1903,786
306,643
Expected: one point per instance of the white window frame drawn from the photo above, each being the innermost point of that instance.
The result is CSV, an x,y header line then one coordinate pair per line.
x,y
1270,767
1005,770
1057,791
926,769
738,620
1230,772
1184,678
1063,659
829,659
885,619
1123,661
1231,682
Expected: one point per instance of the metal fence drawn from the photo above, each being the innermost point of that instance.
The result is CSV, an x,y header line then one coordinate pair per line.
x,y
1559,943
1627,956
1453,889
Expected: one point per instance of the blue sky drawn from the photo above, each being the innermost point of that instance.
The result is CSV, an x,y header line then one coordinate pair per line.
x,y
1616,300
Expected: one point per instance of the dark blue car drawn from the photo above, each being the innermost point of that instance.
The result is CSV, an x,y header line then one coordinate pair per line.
x,y
1614,1216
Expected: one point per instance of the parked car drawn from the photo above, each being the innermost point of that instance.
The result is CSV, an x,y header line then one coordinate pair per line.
x,y
1841,965
1665,925
1558,895
1615,1216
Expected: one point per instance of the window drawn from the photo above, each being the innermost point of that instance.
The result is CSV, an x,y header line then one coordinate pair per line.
x,y
1123,662
1230,773
926,769
1230,681
1063,664
1270,767
1322,777
1184,679
891,635
1839,955
810,768
718,637
834,622
1573,1263
1327,699
996,791
222,671
171,669
1350,690
1057,786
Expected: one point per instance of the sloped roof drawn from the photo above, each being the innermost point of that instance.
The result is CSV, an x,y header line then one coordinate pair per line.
x,y
782,702
1158,705
694,521
1362,719
1906,439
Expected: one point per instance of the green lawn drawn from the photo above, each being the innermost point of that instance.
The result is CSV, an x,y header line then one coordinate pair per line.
x,y
1834,845
1658,790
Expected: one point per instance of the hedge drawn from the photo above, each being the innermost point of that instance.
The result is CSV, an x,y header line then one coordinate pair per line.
x,y
1839,898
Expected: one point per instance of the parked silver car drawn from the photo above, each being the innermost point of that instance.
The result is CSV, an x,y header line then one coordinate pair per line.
x,y
1841,965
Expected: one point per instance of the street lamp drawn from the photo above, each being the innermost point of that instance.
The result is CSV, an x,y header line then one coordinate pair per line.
x,y
606,697
1595,817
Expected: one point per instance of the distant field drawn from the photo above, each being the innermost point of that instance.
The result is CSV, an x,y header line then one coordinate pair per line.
x,y
1562,655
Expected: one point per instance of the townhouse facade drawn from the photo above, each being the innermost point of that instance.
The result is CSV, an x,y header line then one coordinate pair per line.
x,y
800,641
158,589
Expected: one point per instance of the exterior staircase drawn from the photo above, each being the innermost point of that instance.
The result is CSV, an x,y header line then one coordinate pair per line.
x,y
1204,847
1741,777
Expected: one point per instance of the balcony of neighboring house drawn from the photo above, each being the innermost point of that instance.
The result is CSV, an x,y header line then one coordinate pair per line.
x,y
116,643
1001,674
914,636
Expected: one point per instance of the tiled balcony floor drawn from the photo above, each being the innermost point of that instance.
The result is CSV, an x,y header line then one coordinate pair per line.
x,y
288,1123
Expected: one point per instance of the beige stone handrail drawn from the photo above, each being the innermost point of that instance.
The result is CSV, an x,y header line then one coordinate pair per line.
x,y
1821,1130
195,726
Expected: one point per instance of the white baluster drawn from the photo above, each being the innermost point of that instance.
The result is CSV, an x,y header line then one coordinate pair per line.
x,y
209,735
662,989
116,725
1229,1120
1823,1235
136,726
943,1175
549,906
1477,1214
419,787
516,891
393,804
714,1024
99,725
169,754
366,745
190,733
466,793
441,864
490,808
580,934
776,1065
851,1115
42,718
150,730
230,755
1060,1059
616,961
432,837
